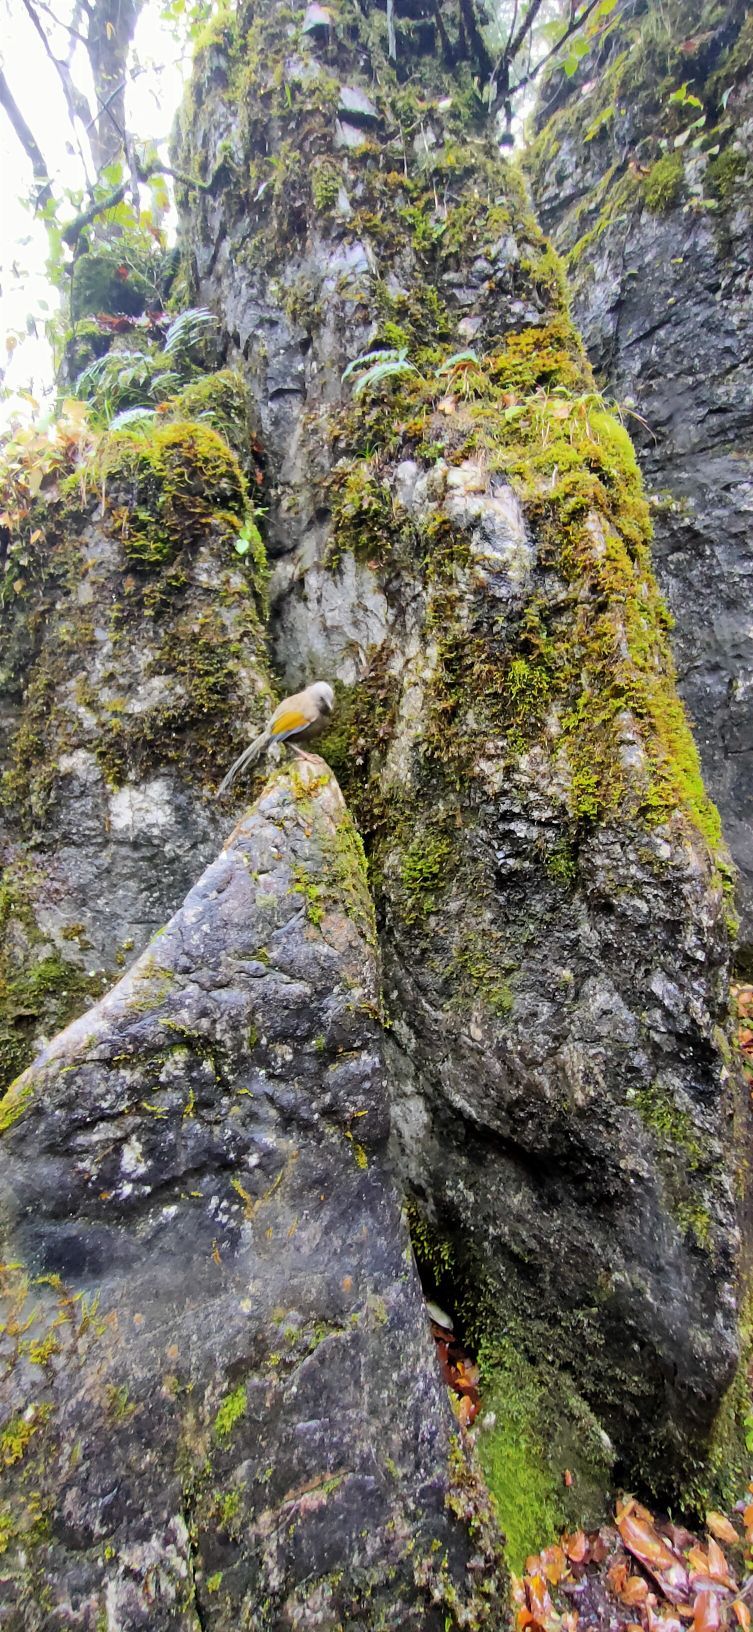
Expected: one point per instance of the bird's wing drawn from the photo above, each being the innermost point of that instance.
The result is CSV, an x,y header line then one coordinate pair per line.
x,y
288,722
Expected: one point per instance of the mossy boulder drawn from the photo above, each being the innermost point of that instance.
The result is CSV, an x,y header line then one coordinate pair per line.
x,y
640,170
230,1280
552,892
134,668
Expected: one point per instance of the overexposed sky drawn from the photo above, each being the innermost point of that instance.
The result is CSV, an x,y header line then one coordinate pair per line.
x,y
26,296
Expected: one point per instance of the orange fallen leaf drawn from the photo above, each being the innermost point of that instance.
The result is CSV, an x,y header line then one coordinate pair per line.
x,y
635,1591
553,1564
742,1614
706,1611
466,1410
718,1566
539,1602
748,1516
576,1546
567,1478
644,1541
617,1575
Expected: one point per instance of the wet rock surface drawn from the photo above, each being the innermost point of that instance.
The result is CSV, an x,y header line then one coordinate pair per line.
x,y
658,255
207,1281
132,655
466,549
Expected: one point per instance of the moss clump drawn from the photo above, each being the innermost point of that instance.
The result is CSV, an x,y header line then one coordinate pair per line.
x,y
542,1428
362,515
424,870
231,1410
40,990
326,182
167,487
664,185
724,173
220,401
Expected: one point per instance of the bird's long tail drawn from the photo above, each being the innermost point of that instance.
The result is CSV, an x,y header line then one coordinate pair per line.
x,y
249,755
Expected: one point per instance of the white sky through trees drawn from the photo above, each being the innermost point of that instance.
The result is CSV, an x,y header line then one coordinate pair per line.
x,y
152,99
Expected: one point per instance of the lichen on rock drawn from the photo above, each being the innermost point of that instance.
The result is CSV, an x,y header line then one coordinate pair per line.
x,y
553,896
198,1261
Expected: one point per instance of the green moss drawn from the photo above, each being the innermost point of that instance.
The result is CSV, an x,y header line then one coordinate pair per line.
x,y
513,1459
306,885
424,870
167,488
664,185
661,1115
40,990
220,401
723,174
233,1407
326,182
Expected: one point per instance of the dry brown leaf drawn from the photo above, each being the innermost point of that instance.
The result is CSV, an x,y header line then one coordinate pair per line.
x,y
718,1566
576,1546
617,1575
706,1611
635,1591
742,1614
552,1564
539,1602
643,1540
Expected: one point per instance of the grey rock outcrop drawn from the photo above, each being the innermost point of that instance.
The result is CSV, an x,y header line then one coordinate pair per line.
x,y
208,1288
133,658
466,546
657,246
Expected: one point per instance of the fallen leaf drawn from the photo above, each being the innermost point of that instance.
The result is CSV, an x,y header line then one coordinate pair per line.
x,y
645,1543
567,1478
553,1564
706,1611
576,1546
635,1591
617,1575
539,1602
718,1566
742,1614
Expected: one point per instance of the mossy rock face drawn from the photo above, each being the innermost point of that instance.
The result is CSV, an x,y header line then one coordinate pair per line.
x,y
466,550
134,669
167,487
641,170
189,1122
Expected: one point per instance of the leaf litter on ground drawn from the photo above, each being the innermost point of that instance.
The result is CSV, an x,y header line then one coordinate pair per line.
x,y
642,1574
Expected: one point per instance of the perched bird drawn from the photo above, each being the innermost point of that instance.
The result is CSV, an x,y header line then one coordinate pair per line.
x,y
303,716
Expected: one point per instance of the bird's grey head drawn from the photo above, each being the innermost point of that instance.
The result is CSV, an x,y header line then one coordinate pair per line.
x,y
325,697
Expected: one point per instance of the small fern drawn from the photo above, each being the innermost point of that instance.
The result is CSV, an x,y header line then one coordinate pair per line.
x,y
187,331
378,366
132,417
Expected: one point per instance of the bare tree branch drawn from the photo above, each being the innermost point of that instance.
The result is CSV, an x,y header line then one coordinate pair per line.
x,y
526,24
27,139
76,103
573,28
72,232
67,28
